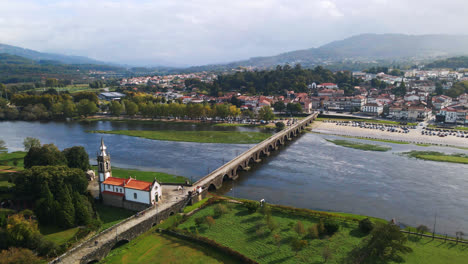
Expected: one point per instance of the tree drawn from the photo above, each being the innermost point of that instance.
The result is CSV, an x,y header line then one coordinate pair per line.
x,y
439,90
86,107
20,231
46,155
31,142
131,108
422,229
313,232
77,157
366,225
277,239
210,221
279,125
66,210
18,256
331,227
294,108
219,210
299,228
385,242
3,147
116,108
46,207
265,113
83,209
298,245
279,106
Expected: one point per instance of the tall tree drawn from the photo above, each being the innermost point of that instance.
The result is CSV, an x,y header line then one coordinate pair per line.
x,y
31,142
46,155
77,157
266,114
66,212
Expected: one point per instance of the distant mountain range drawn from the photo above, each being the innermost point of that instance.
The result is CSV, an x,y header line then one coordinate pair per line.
x,y
366,48
354,53
37,56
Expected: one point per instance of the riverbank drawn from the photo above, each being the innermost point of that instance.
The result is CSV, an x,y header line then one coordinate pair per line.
x,y
227,137
413,136
438,156
148,176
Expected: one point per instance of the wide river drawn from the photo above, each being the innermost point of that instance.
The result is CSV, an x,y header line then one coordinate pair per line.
x,y
309,172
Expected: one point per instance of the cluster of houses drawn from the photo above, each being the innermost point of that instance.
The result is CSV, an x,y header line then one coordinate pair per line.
x,y
166,81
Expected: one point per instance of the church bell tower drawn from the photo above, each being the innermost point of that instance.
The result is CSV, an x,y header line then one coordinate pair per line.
x,y
104,165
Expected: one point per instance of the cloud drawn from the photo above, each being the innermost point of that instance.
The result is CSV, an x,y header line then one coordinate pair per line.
x,y
208,31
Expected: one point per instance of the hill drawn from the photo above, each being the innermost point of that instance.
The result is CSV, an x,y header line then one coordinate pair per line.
x,y
362,51
453,63
37,56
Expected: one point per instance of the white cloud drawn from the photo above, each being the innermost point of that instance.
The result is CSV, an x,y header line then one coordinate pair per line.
x,y
208,31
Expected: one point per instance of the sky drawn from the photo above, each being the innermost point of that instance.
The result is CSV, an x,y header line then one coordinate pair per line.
x,y
184,32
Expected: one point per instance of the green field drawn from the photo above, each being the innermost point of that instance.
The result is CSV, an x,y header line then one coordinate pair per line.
x,y
8,159
247,234
358,145
438,156
153,247
112,215
58,235
146,175
238,230
228,137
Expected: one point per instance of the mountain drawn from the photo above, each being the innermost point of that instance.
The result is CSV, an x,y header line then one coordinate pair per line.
x,y
363,50
454,62
37,56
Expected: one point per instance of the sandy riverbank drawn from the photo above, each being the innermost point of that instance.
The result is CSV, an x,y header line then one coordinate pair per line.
x,y
414,136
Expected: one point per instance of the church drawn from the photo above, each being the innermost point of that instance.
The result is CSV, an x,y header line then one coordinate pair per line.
x,y
128,193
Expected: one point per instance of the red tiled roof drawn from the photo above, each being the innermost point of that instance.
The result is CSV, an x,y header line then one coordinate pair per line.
x,y
138,185
115,181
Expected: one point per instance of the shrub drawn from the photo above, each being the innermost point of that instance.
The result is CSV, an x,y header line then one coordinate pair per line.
x,y
299,228
366,225
251,206
313,232
210,221
199,221
279,125
219,210
331,227
321,228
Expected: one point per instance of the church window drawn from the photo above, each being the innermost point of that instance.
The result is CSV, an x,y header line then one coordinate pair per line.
x,y
134,195
107,165
100,166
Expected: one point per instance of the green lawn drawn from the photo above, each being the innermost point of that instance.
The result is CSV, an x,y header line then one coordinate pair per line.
x,y
380,140
232,137
112,215
196,205
358,145
247,234
56,234
438,156
238,230
146,175
8,159
153,247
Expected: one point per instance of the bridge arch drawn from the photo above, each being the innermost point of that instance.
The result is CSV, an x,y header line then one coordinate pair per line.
x,y
226,177
212,187
93,261
119,244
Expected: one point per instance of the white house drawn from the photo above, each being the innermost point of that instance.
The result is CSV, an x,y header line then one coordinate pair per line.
x,y
372,109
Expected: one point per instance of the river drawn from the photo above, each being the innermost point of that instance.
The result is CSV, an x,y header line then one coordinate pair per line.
x,y
309,172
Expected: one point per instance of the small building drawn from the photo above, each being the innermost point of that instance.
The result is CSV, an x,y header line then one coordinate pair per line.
x,y
111,96
373,109
128,193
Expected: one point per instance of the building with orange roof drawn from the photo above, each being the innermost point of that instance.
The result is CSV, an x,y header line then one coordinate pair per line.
x,y
128,193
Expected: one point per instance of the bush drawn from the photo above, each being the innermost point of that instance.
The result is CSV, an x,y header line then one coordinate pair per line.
x,y
251,206
313,232
366,225
331,227
299,228
199,221
219,210
279,125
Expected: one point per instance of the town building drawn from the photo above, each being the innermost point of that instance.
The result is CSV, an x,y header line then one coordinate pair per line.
x,y
373,109
111,96
128,193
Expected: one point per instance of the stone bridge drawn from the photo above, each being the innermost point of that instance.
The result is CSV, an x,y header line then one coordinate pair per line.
x,y
244,161
98,246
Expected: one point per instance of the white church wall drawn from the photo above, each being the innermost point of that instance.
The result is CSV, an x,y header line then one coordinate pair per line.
x,y
142,196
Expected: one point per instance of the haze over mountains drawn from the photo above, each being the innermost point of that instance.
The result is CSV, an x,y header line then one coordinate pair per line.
x,y
360,48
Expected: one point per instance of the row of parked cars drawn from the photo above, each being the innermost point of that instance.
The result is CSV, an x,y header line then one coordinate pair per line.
x,y
443,132
382,127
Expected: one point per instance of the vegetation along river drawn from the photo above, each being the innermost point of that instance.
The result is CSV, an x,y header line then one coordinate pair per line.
x,y
309,172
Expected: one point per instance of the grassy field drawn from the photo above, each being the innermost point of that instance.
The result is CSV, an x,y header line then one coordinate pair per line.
x,y
146,175
56,234
230,137
438,156
153,247
112,215
238,230
358,145
380,140
8,159
247,234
